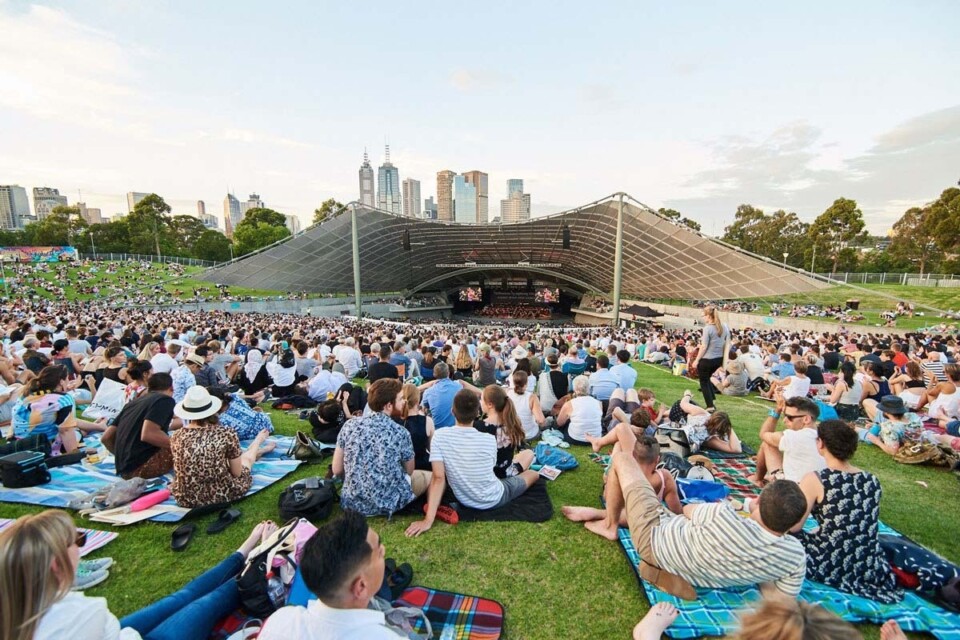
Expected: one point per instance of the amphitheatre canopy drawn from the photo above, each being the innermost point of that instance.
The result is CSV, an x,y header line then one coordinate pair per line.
x,y
660,258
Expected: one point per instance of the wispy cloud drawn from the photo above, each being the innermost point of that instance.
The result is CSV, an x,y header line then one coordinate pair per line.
x,y
249,136
475,80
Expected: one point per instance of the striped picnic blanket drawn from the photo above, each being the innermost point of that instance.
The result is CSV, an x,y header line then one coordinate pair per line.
x,y
733,472
77,480
715,612
95,538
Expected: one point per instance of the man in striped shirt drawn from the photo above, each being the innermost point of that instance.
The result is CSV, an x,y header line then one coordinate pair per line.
x,y
710,545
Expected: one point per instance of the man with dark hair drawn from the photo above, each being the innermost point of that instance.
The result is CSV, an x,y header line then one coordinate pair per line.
x,y
792,453
603,382
626,374
139,436
465,457
382,368
374,456
710,545
343,565
438,395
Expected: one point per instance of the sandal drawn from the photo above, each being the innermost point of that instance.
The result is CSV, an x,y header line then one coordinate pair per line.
x,y
182,536
400,579
226,518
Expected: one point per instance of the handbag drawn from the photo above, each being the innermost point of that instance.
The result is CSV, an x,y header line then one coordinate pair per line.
x,y
37,442
673,441
309,449
924,452
310,498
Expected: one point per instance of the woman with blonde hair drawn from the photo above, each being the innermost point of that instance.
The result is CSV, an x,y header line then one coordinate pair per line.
x,y
149,350
419,426
39,555
463,363
502,422
709,357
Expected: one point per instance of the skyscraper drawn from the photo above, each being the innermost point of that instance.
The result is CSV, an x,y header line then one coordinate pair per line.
x,y
388,186
445,195
90,214
45,199
201,209
516,208
429,209
411,198
14,206
367,196
464,200
479,181
133,197
253,202
209,221
231,214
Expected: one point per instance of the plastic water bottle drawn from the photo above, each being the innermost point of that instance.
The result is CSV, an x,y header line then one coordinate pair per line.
x,y
449,633
275,591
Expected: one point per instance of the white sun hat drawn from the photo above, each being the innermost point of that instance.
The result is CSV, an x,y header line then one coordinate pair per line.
x,y
197,404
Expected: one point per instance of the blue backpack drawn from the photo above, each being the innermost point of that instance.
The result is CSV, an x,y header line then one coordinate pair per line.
x,y
555,457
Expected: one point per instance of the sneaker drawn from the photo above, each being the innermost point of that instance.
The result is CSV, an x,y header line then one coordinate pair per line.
x,y
87,579
95,565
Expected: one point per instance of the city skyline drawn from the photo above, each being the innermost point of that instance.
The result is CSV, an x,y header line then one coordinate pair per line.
x,y
777,106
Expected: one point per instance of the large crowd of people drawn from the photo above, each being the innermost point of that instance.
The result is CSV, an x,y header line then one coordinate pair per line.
x,y
448,406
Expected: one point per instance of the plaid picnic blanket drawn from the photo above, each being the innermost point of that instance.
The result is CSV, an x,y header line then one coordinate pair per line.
x,y
716,611
95,538
77,480
733,472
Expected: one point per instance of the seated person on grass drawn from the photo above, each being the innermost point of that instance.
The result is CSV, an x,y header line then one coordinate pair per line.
x,y
705,430
375,456
696,548
343,565
466,457
897,426
646,451
792,453
624,404
795,385
639,421
513,455
139,437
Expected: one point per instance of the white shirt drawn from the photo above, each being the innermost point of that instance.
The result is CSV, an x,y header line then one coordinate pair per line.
x,y
162,363
350,359
81,618
317,621
468,457
325,382
797,387
585,417
521,404
282,376
753,365
800,455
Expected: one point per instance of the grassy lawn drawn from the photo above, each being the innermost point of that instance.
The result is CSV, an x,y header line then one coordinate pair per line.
x,y
555,579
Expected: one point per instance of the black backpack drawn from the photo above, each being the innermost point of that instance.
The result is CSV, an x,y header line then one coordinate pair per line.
x,y
310,498
253,582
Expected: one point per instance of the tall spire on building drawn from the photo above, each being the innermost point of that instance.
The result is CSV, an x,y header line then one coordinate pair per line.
x,y
387,161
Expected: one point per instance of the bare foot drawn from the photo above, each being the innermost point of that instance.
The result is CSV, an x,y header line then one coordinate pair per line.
x,y
267,448
595,443
602,529
652,626
253,540
269,528
754,479
892,631
583,514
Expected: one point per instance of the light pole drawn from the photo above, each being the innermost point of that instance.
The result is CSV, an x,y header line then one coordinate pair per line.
x,y
785,256
92,243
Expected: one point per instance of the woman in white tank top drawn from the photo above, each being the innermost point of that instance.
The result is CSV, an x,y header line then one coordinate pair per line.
x,y
526,404
583,412
945,404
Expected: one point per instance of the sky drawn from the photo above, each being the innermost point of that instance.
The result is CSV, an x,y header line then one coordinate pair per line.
x,y
696,106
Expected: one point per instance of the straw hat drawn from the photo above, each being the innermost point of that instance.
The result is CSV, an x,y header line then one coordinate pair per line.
x,y
197,404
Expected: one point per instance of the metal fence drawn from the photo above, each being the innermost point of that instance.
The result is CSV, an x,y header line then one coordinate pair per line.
x,y
926,279
112,257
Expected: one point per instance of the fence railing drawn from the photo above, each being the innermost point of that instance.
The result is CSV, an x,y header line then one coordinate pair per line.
x,y
139,257
915,279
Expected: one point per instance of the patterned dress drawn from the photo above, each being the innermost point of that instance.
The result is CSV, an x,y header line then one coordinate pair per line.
x,y
201,466
845,553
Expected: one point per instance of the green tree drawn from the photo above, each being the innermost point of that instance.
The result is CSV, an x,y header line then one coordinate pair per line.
x,y
149,227
945,211
834,230
771,235
62,226
186,231
915,238
675,216
329,207
747,227
212,245
260,227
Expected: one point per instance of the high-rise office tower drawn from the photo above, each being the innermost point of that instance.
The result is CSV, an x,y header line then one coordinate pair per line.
x,y
14,206
209,221
429,209
253,202
231,214
90,214
388,186
133,197
464,200
45,199
367,195
411,198
516,208
479,181
445,195
201,209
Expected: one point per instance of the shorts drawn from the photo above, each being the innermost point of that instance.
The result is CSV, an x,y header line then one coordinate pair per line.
x,y
627,407
953,428
419,482
643,511
513,488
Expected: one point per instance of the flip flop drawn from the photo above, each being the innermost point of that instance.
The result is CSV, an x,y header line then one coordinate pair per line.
x,y
226,518
182,536
400,579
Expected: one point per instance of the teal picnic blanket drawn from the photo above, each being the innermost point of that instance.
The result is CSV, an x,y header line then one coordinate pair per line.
x,y
77,480
716,611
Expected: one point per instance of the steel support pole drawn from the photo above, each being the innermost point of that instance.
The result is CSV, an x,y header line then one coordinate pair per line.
x,y
356,258
618,264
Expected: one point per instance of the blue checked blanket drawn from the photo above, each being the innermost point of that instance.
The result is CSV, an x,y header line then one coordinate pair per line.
x,y
715,612
77,480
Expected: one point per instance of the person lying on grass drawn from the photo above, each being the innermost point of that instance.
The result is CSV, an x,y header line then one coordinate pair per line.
x,y
465,458
623,404
705,430
646,451
697,548
896,426
792,453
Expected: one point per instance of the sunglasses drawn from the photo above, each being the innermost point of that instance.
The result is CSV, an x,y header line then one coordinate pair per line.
x,y
81,539
787,416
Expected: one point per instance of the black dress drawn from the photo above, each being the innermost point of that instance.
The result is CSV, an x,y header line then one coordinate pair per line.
x,y
417,427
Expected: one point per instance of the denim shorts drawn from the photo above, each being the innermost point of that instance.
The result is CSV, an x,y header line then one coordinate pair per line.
x,y
513,488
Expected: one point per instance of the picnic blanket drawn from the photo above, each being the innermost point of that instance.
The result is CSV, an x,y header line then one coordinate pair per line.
x,y
733,472
533,506
77,480
715,612
95,538
472,618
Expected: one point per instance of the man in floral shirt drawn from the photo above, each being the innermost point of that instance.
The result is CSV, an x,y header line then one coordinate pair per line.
x,y
374,455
